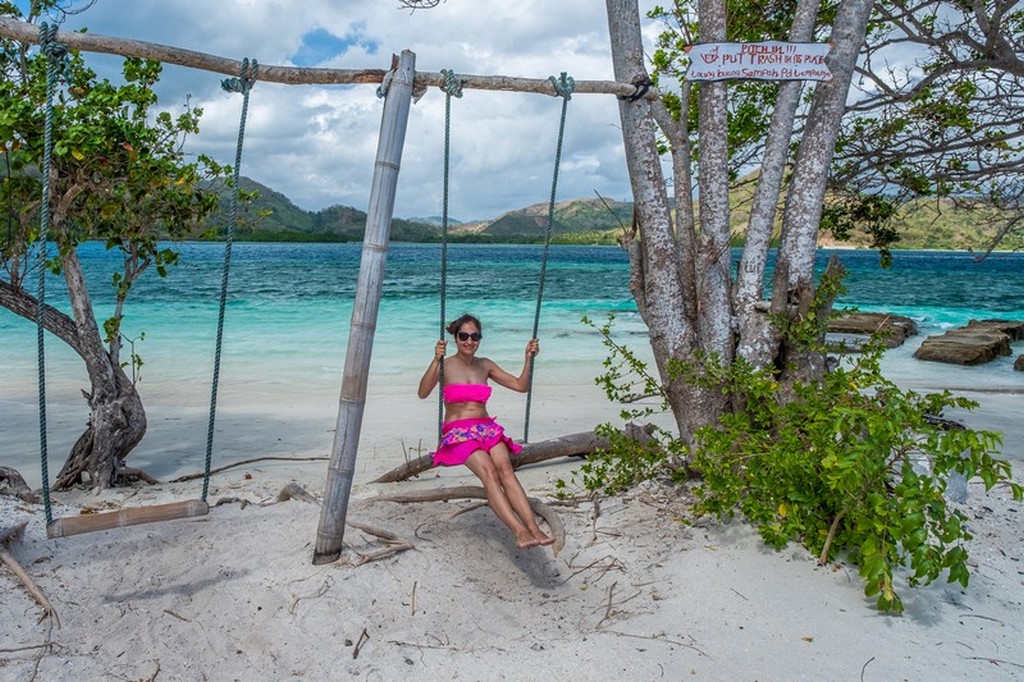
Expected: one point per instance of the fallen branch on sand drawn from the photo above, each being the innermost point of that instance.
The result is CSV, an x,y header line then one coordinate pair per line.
x,y
573,445
9,534
192,477
396,545
477,492
294,491
327,584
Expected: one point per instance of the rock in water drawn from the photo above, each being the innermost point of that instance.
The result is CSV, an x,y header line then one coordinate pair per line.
x,y
977,343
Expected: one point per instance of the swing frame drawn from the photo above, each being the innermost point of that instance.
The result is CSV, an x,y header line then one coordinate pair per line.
x,y
397,87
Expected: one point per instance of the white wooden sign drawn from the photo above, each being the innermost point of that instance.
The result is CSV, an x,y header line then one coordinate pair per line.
x,y
770,60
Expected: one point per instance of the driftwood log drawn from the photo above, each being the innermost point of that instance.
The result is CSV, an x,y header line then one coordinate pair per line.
x,y
477,492
269,458
573,445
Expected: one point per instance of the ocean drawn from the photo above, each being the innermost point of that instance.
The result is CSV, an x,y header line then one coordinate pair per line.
x,y
287,324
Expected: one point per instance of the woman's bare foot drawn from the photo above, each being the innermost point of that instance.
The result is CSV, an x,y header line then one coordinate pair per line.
x,y
541,539
527,541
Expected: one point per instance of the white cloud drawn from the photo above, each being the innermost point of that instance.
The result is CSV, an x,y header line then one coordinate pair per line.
x,y
317,144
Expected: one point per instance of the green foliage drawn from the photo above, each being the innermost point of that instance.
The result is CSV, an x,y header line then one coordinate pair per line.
x,y
631,457
589,237
134,358
119,172
944,128
852,467
625,463
870,213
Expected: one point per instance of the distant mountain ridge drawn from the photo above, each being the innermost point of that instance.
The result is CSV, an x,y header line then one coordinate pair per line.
x,y
274,217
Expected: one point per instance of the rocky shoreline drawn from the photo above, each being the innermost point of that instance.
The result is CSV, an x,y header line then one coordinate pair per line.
x,y
978,342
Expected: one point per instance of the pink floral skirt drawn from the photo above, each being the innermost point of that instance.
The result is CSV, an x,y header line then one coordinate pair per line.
x,y
460,438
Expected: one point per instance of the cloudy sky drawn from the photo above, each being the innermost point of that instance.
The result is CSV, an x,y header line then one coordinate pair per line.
x,y
316,144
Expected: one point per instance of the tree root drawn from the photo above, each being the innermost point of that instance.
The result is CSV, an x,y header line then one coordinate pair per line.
x,y
131,473
26,580
12,483
478,493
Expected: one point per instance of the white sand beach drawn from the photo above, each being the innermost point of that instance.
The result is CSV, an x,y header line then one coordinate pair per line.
x,y
634,593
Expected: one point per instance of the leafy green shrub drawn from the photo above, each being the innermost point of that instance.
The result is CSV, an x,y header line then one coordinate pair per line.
x,y
629,459
851,467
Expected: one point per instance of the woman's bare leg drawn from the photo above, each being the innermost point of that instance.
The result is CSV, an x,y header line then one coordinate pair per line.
x,y
502,460
480,464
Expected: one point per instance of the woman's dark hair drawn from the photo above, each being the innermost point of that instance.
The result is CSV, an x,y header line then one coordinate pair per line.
x,y
454,327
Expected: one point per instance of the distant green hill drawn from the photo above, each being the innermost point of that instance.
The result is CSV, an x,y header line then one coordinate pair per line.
x,y
579,221
932,224
273,217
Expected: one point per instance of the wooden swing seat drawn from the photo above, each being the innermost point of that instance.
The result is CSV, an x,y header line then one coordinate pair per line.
x,y
130,516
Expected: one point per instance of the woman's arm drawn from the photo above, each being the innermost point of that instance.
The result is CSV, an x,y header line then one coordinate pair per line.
x,y
433,372
519,383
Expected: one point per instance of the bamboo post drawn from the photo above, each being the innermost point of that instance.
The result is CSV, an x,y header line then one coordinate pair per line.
x,y
341,469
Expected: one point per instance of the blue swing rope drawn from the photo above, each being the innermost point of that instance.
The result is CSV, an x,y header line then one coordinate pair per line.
x,y
452,88
563,88
58,65
242,84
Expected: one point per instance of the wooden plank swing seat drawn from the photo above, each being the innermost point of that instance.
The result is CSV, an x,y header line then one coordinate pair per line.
x,y
130,516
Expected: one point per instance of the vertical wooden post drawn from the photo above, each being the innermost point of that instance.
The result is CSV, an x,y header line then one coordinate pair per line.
x,y
341,469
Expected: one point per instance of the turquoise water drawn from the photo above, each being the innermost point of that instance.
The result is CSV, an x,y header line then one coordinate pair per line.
x,y
286,292
288,316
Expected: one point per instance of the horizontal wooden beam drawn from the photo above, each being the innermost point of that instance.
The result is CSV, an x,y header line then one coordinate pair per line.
x,y
295,75
129,516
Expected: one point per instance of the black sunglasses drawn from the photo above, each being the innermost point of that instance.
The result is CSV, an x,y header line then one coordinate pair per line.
x,y
466,336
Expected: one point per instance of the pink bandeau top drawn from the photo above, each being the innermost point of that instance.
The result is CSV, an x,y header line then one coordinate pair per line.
x,y
467,393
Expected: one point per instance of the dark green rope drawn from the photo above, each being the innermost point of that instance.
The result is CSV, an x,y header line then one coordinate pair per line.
x,y
563,88
242,84
452,88
57,58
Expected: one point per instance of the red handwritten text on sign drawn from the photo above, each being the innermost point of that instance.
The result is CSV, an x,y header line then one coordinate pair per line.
x,y
771,60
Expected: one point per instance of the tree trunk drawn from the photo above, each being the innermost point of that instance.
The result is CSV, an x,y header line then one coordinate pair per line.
x,y
663,294
714,316
117,418
685,295
758,340
794,287
117,422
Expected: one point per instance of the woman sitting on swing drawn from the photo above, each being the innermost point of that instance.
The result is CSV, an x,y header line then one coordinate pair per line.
x,y
469,436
